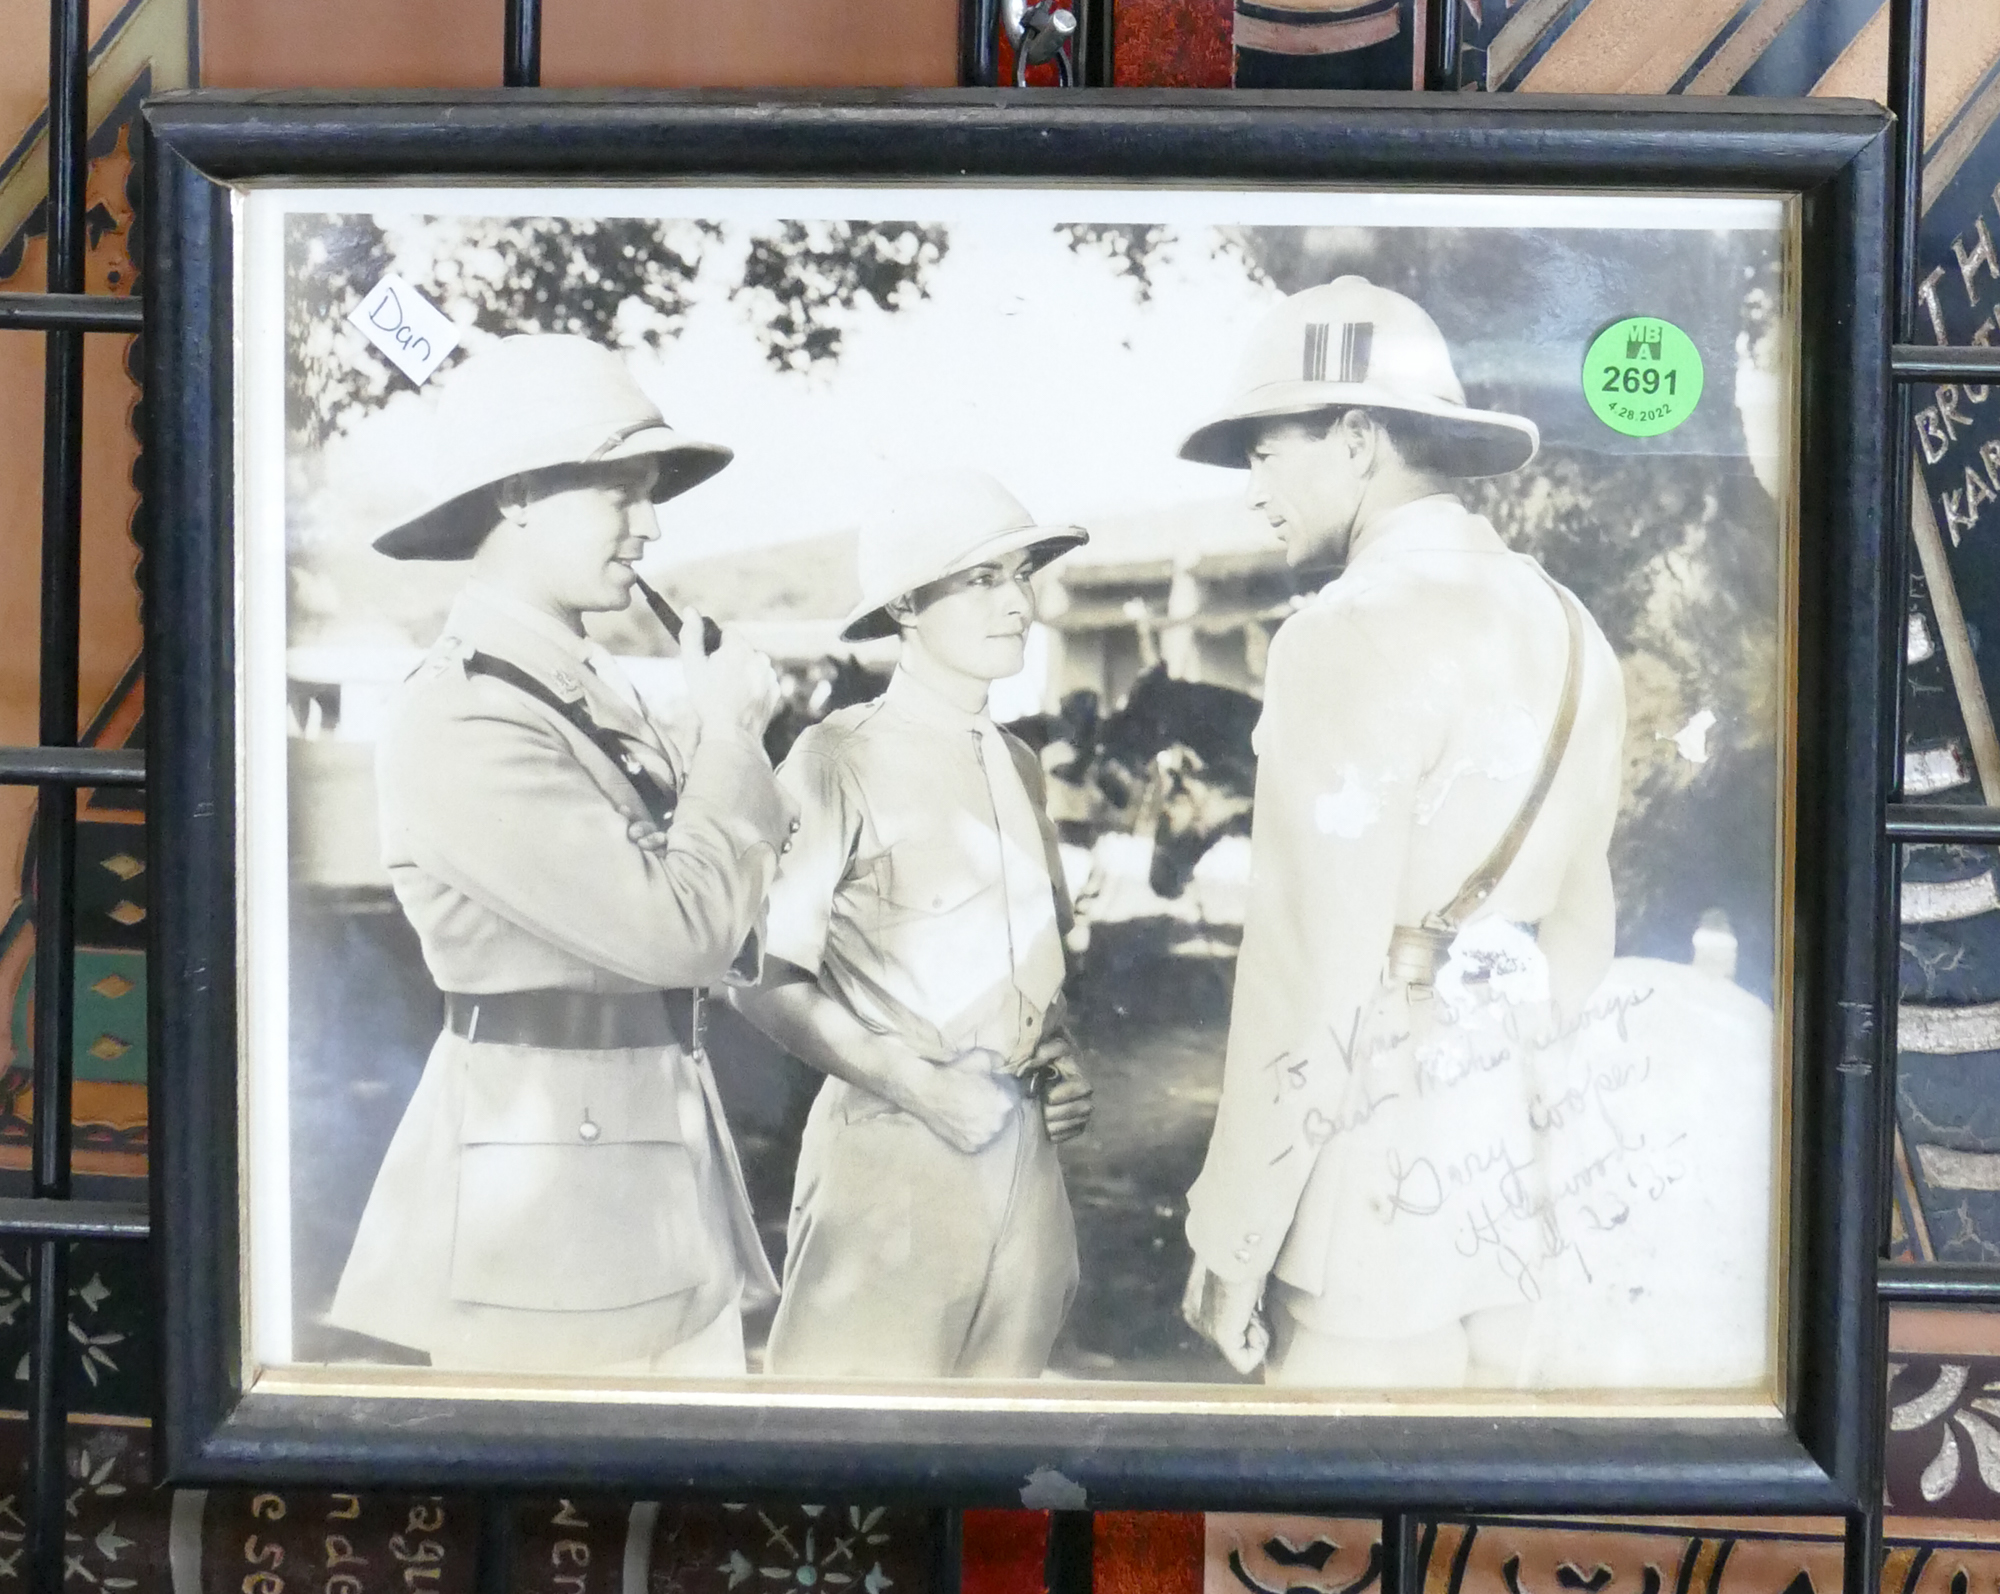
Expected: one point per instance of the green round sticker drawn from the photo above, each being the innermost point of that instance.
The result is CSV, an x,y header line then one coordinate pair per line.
x,y
1642,376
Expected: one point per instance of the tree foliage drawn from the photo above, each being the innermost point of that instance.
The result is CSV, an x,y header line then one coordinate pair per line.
x,y
1677,558
803,282
626,281
1132,250
1140,250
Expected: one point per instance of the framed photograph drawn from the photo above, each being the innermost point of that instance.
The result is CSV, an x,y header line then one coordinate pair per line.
x,y
1118,800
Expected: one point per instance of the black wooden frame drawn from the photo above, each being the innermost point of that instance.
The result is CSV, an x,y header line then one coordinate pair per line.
x,y
1835,157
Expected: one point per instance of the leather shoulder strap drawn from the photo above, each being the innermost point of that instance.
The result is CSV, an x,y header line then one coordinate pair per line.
x,y
660,800
1489,874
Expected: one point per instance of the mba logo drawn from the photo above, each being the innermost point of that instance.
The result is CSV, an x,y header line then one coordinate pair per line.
x,y
1643,342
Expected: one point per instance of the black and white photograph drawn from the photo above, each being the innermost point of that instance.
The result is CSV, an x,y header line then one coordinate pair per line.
x,y
1095,794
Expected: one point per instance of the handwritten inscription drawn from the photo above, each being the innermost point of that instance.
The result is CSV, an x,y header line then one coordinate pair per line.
x,y
408,330
1510,1140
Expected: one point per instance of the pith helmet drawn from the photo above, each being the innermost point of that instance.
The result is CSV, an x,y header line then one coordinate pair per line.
x,y
1351,343
526,403
935,525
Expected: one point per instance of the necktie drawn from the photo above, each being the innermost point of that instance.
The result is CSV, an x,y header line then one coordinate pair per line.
x,y
1034,940
612,674
605,666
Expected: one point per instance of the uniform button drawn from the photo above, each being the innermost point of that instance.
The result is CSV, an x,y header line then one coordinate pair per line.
x,y
1253,1238
1242,1256
587,1131
795,824
785,847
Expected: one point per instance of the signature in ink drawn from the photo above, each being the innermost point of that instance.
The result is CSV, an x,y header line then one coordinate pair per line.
x,y
1319,1128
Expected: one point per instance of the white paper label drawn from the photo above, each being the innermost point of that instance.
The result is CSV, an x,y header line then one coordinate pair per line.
x,y
405,326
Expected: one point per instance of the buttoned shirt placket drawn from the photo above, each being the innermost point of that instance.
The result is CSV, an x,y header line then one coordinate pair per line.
x,y
911,819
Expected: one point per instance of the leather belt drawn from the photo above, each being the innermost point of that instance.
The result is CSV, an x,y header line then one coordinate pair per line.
x,y
575,1021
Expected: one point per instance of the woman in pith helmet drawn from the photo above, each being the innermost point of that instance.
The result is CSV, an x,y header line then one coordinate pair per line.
x,y
562,1193
915,957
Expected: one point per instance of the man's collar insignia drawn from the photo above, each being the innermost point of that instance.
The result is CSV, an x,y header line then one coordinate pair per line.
x,y
446,654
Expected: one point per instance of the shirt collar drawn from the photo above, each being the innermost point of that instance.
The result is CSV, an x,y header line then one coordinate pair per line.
x,y
544,627
1434,521
1432,524
913,699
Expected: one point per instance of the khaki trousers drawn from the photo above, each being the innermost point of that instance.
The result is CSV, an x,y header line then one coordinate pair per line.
x,y
909,1259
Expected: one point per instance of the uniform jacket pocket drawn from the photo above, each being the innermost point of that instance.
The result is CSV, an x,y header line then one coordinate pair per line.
x,y
577,1188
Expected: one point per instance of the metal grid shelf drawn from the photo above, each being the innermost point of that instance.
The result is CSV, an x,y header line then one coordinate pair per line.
x,y
51,1220
1915,822
69,312
1935,1284
30,1218
1918,362
71,766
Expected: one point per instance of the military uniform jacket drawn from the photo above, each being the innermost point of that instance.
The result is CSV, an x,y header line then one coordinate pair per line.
x,y
499,1229
1359,1129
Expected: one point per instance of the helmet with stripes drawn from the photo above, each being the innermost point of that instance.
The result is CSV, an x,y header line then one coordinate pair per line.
x,y
1354,345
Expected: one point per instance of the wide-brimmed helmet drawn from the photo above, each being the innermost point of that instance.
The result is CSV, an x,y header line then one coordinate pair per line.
x,y
934,525
1351,344
525,404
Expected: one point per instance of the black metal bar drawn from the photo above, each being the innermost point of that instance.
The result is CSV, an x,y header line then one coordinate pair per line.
x,y
522,46
1967,826
1861,1552
947,1551
978,43
1440,45
1907,54
1092,47
69,312
1907,39
1071,1565
55,820
499,1544
1861,1566
1920,362
1939,1284
1401,1573
72,766
26,1218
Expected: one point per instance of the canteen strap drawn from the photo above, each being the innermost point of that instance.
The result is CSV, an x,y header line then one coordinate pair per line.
x,y
1488,875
